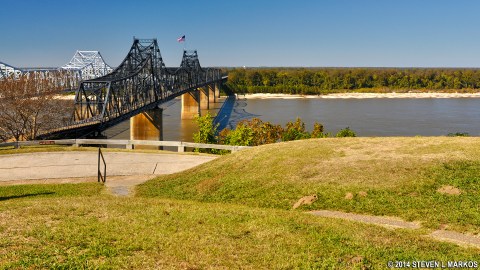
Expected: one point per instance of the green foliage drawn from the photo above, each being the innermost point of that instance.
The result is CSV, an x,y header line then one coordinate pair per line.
x,y
458,134
295,131
242,135
328,80
206,132
251,133
206,129
318,131
346,132
266,132
255,132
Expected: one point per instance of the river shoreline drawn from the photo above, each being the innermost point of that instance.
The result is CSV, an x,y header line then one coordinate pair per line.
x,y
342,96
362,95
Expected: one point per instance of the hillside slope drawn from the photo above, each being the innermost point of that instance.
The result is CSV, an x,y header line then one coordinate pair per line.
x,y
381,176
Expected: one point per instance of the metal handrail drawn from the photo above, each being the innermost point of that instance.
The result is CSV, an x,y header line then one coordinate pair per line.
x,y
101,176
128,143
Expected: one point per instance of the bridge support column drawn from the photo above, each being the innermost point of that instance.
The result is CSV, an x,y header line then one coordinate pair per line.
x,y
204,99
190,105
147,126
212,98
217,89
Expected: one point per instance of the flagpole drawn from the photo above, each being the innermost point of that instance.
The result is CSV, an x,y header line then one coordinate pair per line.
x,y
184,40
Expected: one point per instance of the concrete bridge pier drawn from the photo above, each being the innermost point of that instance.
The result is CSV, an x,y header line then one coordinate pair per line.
x,y
204,98
217,90
190,105
212,98
147,126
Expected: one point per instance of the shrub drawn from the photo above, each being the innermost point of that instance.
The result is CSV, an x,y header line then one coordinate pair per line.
x,y
458,134
318,131
206,131
346,132
295,131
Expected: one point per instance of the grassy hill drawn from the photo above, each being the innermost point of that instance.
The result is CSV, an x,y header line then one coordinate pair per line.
x,y
235,212
400,176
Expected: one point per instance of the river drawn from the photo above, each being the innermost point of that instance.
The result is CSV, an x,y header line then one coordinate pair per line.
x,y
367,117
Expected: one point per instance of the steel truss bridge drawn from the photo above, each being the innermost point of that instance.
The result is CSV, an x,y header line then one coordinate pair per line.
x,y
84,65
140,83
7,71
87,65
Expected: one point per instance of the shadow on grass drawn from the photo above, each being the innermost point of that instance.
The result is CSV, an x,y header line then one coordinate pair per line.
x,y
25,196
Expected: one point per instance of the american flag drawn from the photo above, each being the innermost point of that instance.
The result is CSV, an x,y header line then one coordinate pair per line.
x,y
181,39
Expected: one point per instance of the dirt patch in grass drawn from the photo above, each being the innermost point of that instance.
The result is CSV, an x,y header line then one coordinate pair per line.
x,y
449,190
208,185
362,194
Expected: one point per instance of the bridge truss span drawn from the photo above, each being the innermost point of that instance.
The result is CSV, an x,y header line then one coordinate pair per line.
x,y
7,71
88,65
141,82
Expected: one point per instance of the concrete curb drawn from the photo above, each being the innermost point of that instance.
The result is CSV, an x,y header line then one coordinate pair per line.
x,y
389,222
397,223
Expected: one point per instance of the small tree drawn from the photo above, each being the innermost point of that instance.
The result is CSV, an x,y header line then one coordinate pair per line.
x,y
346,132
458,134
251,133
242,135
318,131
263,132
206,129
295,131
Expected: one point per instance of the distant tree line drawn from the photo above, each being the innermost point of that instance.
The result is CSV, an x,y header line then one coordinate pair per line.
x,y
330,80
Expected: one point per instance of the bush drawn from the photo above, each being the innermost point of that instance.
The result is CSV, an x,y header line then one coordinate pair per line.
x,y
255,132
318,131
295,131
251,133
346,132
206,131
458,134
242,135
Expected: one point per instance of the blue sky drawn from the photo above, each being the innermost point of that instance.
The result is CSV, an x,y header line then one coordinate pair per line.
x,y
358,33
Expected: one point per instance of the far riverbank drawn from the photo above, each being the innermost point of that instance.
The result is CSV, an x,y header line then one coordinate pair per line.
x,y
363,95
343,95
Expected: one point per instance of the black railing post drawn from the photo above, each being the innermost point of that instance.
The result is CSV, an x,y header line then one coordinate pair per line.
x,y
101,176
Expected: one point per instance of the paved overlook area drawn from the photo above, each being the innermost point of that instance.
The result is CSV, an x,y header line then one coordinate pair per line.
x,y
124,169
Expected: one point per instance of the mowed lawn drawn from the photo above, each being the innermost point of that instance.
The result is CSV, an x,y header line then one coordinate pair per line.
x,y
74,226
235,212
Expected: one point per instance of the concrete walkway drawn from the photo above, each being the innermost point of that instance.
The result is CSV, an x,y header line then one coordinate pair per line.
x,y
397,223
389,222
124,169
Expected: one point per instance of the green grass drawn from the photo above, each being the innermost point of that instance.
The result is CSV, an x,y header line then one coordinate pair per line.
x,y
98,231
400,175
49,190
235,212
